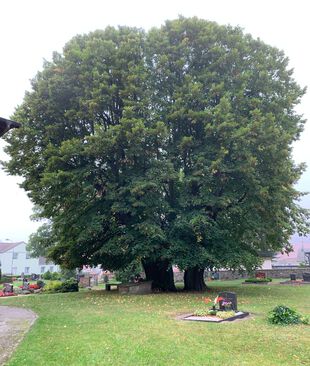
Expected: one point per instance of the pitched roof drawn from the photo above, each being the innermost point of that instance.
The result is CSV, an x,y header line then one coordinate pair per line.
x,y
4,247
295,257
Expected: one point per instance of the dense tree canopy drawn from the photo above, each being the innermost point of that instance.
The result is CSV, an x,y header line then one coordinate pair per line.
x,y
167,147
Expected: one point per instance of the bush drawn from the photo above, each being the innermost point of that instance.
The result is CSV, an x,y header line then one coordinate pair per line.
x,y
55,276
53,286
47,276
70,285
6,279
59,286
67,274
40,283
283,315
258,280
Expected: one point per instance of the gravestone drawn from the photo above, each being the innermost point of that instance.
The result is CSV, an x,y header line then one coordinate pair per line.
x,y
85,281
260,275
105,278
229,296
25,286
7,288
139,288
306,276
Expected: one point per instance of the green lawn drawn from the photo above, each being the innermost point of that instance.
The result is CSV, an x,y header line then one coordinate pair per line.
x,y
104,328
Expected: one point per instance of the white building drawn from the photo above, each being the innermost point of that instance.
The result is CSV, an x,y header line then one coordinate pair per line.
x,y
15,260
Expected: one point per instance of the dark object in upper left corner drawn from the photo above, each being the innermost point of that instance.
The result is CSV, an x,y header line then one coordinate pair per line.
x,y
6,125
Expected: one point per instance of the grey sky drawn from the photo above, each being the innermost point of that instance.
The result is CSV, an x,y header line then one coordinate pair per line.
x,y
31,30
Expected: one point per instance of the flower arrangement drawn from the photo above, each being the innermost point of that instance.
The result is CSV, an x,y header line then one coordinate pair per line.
x,y
216,307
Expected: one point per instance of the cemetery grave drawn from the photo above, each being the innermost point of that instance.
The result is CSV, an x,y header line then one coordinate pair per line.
x,y
224,308
294,281
259,279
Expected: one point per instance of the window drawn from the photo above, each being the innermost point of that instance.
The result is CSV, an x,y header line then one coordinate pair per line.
x,y
27,270
15,255
51,269
27,255
42,269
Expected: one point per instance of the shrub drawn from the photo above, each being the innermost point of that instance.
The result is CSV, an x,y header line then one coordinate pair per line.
x,y
40,283
70,285
55,276
53,286
47,276
6,279
59,286
258,280
67,274
283,315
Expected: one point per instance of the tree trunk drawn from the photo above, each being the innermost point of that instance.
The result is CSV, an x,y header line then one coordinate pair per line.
x,y
194,280
161,273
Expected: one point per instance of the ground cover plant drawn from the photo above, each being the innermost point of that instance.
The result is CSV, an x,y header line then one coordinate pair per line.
x,y
283,315
104,328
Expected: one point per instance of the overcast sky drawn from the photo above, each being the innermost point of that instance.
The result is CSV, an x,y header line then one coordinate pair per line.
x,y
31,30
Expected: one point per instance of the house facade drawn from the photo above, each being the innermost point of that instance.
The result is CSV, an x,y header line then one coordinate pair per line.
x,y
15,260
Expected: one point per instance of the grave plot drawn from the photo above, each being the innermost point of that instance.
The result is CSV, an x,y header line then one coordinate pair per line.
x,y
223,308
294,281
259,279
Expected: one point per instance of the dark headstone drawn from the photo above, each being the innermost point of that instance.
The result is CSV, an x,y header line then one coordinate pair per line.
x,y
231,297
25,286
7,288
105,278
306,276
293,277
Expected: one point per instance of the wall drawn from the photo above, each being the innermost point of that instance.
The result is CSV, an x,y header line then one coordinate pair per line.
x,y
285,272
230,275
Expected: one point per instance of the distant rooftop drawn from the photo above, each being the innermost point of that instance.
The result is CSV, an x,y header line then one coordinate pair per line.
x,y
6,246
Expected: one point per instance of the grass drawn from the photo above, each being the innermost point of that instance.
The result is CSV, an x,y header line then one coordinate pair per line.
x,y
105,328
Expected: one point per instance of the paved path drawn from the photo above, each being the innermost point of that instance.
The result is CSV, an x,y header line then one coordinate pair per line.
x,y
14,323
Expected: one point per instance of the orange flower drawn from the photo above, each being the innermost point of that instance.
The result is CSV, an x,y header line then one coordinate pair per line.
x,y
207,300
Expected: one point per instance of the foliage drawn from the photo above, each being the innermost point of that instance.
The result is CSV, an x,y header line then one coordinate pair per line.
x,y
203,312
5,279
52,276
170,146
47,275
40,283
258,280
53,286
283,315
129,273
67,274
225,314
70,285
